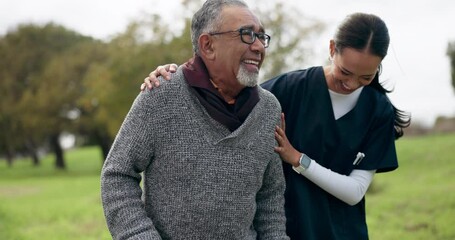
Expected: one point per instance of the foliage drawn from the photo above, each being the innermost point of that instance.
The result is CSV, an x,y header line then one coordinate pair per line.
x,y
291,35
416,201
112,85
35,87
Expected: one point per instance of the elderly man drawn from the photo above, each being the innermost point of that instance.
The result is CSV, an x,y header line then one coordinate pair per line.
x,y
204,143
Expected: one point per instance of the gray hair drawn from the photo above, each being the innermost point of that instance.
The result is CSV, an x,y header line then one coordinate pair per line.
x,y
208,18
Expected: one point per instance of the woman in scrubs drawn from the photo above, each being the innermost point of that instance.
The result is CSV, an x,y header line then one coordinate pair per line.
x,y
339,129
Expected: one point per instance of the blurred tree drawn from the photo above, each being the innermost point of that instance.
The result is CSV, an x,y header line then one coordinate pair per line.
x,y
451,54
7,125
15,72
291,36
94,119
26,53
59,89
112,86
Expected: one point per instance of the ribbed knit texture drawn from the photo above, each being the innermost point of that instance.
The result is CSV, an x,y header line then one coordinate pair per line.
x,y
200,180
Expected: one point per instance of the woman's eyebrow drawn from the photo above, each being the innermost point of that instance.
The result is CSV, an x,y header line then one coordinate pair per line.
x,y
345,70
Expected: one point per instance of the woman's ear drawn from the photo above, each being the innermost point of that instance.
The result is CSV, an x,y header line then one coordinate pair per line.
x,y
206,47
332,49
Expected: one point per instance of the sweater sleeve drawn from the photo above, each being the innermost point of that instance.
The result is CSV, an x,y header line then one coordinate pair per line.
x,y
270,221
121,193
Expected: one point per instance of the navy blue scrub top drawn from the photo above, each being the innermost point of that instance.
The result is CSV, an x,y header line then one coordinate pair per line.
x,y
312,129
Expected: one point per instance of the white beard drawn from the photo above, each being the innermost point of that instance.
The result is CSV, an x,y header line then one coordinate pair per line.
x,y
246,78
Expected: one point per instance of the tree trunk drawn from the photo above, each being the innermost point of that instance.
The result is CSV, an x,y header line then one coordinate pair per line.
x,y
105,147
104,142
9,157
31,148
57,148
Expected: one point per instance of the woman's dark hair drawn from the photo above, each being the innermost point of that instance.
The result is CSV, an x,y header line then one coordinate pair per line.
x,y
368,32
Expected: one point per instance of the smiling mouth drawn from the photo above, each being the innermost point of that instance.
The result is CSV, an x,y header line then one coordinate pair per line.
x,y
345,87
251,62
251,65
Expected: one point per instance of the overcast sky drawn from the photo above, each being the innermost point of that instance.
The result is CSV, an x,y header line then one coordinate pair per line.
x,y
417,63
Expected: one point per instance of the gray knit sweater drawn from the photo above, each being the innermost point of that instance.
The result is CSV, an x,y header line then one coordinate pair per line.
x,y
200,181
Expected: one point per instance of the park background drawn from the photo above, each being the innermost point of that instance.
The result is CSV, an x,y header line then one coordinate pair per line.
x,y
69,71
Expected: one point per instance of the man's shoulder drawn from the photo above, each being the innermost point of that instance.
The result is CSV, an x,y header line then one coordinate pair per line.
x,y
168,88
266,95
268,98
170,94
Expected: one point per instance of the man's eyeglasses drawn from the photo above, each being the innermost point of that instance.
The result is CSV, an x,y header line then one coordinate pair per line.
x,y
248,36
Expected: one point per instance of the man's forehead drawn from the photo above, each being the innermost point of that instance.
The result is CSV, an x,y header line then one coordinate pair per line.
x,y
236,16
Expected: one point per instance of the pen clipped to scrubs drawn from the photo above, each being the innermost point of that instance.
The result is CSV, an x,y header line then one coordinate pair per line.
x,y
359,158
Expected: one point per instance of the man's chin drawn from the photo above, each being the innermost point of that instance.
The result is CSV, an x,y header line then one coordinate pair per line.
x,y
248,82
248,79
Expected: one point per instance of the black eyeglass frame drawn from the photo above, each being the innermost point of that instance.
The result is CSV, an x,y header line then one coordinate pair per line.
x,y
263,37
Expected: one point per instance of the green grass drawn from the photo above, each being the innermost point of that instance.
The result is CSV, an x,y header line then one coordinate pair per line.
x,y
44,203
416,201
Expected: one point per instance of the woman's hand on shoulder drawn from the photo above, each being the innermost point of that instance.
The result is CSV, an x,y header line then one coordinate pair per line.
x,y
287,152
152,79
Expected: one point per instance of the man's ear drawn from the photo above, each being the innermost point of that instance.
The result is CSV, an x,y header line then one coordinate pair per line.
x,y
206,47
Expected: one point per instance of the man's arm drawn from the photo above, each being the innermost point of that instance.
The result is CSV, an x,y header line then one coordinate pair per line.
x,y
270,220
120,191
